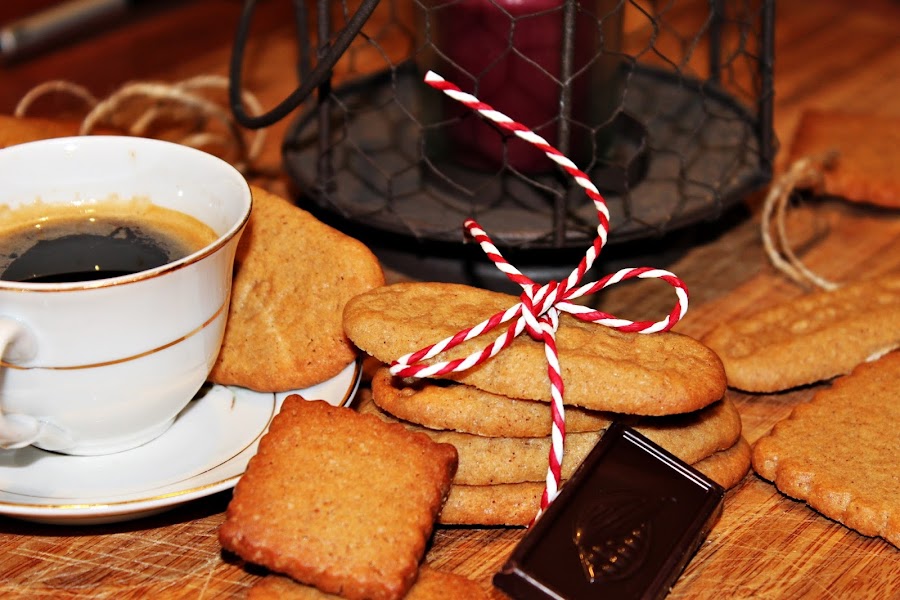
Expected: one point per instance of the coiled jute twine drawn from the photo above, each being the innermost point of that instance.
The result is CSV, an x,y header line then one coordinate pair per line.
x,y
805,173
136,107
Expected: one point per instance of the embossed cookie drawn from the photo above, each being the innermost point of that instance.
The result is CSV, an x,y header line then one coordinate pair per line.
x,y
467,409
293,275
494,460
517,503
603,369
868,149
838,452
811,338
432,584
727,467
338,500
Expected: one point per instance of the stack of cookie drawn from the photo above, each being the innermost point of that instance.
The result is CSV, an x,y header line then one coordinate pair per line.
x,y
668,386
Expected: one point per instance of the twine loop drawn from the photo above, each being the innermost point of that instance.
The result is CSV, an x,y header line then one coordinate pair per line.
x,y
806,172
538,311
136,107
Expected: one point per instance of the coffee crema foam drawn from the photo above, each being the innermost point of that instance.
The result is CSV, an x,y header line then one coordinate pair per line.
x,y
45,242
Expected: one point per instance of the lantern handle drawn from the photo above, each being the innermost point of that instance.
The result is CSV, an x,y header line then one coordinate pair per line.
x,y
312,80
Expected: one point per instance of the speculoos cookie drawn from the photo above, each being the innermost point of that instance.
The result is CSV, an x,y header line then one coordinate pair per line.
x,y
516,504
432,584
293,275
867,147
467,409
811,338
361,494
497,460
838,452
603,369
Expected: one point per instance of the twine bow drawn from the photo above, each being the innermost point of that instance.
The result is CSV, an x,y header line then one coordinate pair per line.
x,y
539,307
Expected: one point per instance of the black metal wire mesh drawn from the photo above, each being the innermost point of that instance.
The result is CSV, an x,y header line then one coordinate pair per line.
x,y
666,107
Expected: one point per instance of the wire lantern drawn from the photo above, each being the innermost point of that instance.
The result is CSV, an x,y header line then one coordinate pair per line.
x,y
666,105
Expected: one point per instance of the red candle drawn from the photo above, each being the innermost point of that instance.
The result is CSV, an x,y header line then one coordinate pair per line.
x,y
509,53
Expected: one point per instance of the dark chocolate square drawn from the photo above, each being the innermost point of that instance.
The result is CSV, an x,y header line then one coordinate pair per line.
x,y
624,526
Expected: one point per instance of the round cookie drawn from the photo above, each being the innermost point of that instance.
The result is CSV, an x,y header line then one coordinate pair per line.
x,y
811,338
603,369
517,503
293,275
496,460
468,409
695,436
727,467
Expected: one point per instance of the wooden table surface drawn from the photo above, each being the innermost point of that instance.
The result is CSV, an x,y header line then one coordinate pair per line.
x,y
832,54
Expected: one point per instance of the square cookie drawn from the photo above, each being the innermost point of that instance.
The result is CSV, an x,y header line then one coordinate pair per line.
x,y
868,147
338,500
431,585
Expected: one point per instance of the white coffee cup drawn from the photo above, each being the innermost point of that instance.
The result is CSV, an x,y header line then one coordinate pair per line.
x,y
103,366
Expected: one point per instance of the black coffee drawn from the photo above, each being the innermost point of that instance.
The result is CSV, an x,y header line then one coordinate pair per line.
x,y
82,247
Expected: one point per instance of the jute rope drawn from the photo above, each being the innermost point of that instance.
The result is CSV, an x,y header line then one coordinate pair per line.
x,y
807,172
184,101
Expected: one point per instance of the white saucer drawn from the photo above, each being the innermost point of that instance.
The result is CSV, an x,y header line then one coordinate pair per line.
x,y
205,451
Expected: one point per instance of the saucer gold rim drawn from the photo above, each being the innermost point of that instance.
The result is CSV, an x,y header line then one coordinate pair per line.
x,y
98,510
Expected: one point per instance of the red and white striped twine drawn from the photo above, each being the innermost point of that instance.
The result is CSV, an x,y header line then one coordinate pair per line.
x,y
538,310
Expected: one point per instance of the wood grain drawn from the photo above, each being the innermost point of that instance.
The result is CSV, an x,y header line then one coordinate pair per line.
x,y
835,54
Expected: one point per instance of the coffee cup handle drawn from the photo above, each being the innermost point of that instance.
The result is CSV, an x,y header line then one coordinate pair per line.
x,y
17,430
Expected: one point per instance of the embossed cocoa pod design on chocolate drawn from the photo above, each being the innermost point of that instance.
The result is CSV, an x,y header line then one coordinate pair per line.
x,y
613,534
